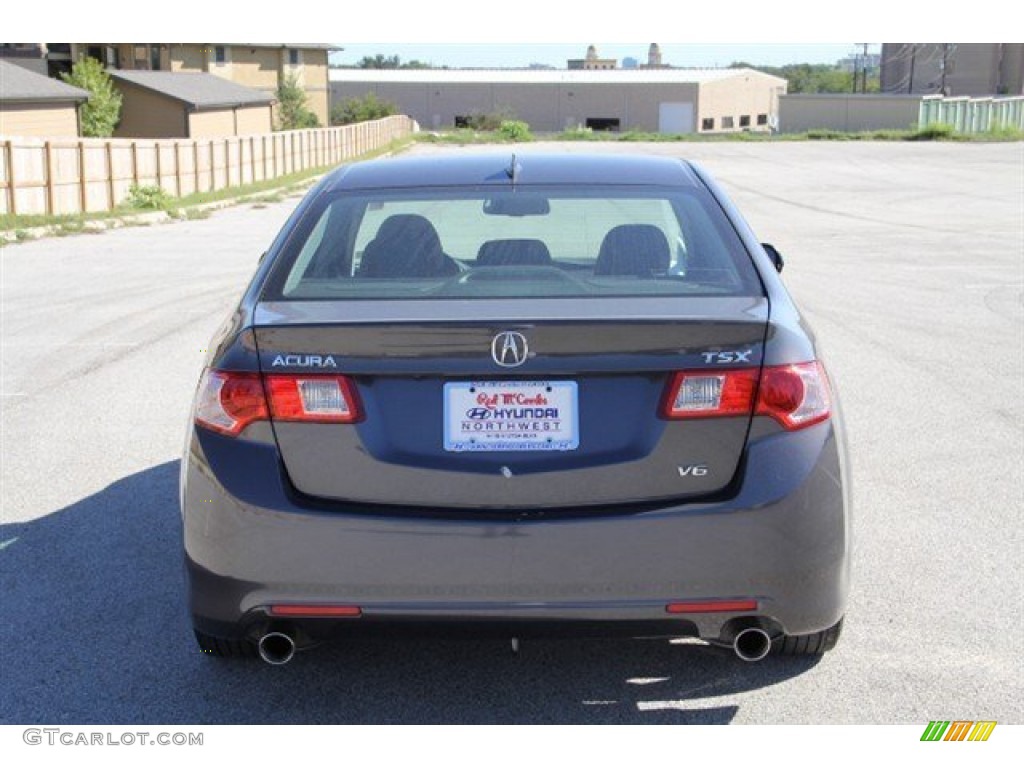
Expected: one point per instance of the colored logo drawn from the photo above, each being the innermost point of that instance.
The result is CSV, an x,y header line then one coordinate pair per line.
x,y
958,730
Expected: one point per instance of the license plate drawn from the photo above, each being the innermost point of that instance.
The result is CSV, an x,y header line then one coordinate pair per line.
x,y
511,416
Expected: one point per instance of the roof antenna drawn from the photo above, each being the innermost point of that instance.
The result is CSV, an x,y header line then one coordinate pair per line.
x,y
513,169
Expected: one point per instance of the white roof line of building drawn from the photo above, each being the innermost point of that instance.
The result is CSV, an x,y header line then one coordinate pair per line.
x,y
550,76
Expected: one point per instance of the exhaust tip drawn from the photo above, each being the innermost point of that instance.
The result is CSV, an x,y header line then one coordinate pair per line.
x,y
276,648
752,644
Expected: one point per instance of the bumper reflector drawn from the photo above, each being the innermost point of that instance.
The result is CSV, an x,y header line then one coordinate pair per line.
x,y
712,606
316,611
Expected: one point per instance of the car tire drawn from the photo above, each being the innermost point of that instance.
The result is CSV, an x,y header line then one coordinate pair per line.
x,y
225,649
814,644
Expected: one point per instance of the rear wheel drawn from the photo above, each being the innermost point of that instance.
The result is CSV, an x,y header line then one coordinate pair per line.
x,y
215,646
814,644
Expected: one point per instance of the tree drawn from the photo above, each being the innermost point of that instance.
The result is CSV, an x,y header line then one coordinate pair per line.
x,y
380,61
292,113
101,113
810,78
369,107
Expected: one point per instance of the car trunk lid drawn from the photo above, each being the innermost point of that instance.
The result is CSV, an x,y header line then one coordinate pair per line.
x,y
451,417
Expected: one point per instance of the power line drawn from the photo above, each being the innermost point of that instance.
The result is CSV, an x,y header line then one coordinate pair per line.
x,y
919,57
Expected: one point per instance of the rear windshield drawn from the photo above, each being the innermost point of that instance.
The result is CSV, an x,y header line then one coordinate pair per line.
x,y
537,242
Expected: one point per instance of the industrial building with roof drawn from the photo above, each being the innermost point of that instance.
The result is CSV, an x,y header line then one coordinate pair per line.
x,y
663,100
188,105
32,104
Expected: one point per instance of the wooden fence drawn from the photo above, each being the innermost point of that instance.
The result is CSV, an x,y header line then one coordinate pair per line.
x,y
67,176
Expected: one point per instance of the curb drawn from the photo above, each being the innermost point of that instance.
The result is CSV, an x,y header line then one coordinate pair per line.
x,y
147,218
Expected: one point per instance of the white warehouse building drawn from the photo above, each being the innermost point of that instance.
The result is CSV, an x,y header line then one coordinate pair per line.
x,y
662,100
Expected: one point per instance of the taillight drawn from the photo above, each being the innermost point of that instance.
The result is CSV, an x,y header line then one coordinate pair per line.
x,y
796,396
701,394
312,398
229,401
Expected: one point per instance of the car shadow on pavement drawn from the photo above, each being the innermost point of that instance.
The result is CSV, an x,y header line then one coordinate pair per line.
x,y
95,630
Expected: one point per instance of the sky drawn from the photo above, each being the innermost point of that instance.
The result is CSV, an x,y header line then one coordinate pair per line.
x,y
556,54
472,33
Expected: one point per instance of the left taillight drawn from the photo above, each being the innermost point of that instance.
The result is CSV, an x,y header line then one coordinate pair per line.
x,y
329,399
229,401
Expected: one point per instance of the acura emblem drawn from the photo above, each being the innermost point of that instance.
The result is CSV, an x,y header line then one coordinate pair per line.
x,y
509,349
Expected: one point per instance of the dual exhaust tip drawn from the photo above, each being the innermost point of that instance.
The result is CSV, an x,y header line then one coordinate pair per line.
x,y
277,648
752,644
749,644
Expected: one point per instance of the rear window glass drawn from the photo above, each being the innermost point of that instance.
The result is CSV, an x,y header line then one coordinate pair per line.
x,y
503,242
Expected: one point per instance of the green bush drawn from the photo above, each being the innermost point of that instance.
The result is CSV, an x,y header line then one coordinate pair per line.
x,y
579,133
1003,132
827,134
458,136
489,121
150,198
645,136
292,113
933,132
515,130
101,113
359,110
486,121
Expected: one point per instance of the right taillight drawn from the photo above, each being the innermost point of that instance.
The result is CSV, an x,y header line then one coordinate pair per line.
x,y
796,396
707,393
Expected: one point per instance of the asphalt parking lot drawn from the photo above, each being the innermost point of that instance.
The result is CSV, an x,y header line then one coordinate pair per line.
x,y
908,260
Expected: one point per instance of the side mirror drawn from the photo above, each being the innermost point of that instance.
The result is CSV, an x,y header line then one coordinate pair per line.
x,y
774,255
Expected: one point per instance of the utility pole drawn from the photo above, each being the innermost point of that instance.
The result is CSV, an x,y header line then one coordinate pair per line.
x,y
913,53
945,63
864,77
859,65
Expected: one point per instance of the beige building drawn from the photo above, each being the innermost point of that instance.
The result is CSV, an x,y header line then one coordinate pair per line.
x,y
188,105
32,104
591,61
654,57
262,66
662,100
953,69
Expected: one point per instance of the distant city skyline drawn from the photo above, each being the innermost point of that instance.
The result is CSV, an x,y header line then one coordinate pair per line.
x,y
500,55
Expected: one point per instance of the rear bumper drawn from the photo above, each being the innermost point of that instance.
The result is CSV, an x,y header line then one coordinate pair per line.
x,y
782,539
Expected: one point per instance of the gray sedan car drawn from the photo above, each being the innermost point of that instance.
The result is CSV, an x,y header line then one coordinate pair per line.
x,y
523,394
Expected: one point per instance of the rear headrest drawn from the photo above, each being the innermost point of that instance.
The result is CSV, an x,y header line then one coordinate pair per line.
x,y
639,250
513,253
406,245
